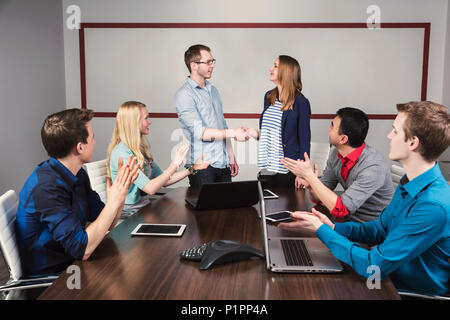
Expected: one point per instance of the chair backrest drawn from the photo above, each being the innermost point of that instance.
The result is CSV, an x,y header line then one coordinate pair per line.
x,y
319,155
397,173
8,242
97,175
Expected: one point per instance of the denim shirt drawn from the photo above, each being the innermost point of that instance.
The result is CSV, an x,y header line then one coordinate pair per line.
x,y
199,108
54,207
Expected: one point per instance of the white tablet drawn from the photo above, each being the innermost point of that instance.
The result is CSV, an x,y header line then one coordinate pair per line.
x,y
148,229
269,194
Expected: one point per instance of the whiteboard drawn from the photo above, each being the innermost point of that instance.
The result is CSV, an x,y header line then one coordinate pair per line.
x,y
370,69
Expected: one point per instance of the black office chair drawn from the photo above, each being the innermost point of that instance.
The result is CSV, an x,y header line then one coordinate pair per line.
x,y
10,252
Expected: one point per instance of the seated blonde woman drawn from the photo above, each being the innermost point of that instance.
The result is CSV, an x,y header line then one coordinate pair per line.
x,y
132,123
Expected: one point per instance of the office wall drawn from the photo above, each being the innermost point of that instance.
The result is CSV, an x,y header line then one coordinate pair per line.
x,y
446,83
164,135
31,83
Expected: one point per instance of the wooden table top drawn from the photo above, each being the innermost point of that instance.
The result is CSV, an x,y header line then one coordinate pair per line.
x,y
137,267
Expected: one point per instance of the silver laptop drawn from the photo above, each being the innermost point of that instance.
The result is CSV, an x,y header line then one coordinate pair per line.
x,y
303,255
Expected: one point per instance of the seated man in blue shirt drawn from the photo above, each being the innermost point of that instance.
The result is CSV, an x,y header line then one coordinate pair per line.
x,y
411,237
57,200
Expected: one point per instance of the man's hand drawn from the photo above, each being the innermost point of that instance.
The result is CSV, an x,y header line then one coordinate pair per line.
x,y
234,167
300,168
306,221
302,183
126,175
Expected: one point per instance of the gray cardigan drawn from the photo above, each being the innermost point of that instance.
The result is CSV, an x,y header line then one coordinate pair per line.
x,y
368,189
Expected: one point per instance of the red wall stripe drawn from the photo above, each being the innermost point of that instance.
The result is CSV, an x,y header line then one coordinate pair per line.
x,y
243,115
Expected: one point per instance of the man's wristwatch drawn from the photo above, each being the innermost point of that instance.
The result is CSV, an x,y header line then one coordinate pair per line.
x,y
191,170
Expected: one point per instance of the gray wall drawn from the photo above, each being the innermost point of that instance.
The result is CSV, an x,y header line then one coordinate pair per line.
x,y
31,83
163,130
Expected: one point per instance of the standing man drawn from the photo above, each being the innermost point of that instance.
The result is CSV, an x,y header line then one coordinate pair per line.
x,y
411,237
57,200
200,114
360,169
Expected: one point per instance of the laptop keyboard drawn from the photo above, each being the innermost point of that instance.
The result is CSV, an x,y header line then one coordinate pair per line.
x,y
296,253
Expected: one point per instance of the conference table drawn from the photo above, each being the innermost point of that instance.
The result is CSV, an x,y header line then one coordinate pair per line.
x,y
149,267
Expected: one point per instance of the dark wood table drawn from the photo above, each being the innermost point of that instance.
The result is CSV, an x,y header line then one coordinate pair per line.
x,y
130,267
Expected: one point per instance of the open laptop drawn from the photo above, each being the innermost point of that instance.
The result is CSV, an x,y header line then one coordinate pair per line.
x,y
302,255
226,195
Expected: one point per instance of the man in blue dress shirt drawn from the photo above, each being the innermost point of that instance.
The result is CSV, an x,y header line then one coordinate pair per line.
x,y
200,114
57,200
411,238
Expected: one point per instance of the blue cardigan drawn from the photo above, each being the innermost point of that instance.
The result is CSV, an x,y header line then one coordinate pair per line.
x,y
295,127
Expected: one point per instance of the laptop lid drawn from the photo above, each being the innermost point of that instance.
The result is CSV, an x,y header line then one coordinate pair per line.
x,y
226,195
264,224
315,255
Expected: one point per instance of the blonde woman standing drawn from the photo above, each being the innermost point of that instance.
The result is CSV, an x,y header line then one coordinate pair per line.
x,y
132,123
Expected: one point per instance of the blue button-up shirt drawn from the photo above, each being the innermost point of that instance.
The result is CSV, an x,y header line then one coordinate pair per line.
x,y
199,108
54,206
412,237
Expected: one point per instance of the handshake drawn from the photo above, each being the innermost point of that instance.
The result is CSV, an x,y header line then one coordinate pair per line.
x,y
243,134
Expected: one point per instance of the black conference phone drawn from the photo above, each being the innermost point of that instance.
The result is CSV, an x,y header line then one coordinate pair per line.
x,y
219,252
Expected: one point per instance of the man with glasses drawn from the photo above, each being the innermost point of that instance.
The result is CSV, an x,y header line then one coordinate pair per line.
x,y
200,114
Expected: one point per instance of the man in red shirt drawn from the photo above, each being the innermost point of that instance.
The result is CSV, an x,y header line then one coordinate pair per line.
x,y
360,169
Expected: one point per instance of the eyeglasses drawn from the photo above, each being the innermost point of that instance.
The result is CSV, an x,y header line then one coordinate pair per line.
x,y
209,62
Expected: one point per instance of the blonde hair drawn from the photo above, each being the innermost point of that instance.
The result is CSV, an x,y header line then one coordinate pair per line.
x,y
290,79
127,130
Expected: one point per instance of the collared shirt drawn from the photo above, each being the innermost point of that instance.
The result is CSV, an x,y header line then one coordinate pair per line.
x,y
340,210
368,188
411,236
54,206
199,108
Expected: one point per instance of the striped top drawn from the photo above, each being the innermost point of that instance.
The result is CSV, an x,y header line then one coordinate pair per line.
x,y
270,150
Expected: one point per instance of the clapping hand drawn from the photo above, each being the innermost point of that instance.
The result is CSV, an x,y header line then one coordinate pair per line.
x,y
307,221
302,183
126,175
180,155
200,164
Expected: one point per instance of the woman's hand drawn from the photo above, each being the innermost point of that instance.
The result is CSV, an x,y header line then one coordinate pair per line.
x,y
180,155
200,164
254,133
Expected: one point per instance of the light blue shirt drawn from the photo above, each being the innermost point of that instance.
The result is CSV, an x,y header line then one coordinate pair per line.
x,y
199,108
121,150
412,236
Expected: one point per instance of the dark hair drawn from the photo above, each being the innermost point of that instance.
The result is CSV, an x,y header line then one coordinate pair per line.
x,y
430,123
193,54
354,124
62,131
